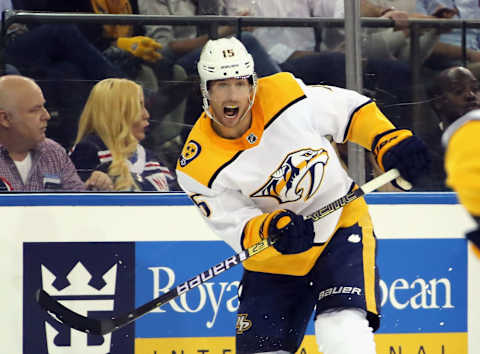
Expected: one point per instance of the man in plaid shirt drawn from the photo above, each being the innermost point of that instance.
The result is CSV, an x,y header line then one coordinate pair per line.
x,y
29,161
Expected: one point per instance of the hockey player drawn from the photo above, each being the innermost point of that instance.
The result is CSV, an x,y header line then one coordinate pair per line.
x,y
259,159
456,93
462,164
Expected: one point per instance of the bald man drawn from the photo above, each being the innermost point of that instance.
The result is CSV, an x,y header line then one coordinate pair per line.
x,y
29,161
455,92
456,99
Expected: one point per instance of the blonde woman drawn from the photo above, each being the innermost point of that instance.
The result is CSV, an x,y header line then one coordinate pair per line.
x,y
110,130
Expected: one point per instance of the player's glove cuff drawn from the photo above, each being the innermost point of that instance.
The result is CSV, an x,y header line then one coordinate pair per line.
x,y
385,141
256,229
401,150
291,232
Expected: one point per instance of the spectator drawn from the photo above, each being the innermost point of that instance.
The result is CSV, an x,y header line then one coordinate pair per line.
x,y
61,52
101,36
454,92
448,51
183,44
56,47
137,54
110,130
124,45
30,162
395,42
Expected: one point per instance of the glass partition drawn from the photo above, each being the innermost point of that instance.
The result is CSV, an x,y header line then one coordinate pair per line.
x,y
397,68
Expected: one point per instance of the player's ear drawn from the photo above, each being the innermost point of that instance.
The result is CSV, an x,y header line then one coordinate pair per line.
x,y
4,119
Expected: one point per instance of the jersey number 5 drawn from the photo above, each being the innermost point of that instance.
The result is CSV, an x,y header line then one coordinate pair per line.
x,y
202,205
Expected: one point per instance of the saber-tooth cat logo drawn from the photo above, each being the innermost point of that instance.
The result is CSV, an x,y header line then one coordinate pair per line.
x,y
299,176
92,279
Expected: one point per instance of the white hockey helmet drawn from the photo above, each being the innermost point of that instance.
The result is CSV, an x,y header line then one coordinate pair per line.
x,y
224,58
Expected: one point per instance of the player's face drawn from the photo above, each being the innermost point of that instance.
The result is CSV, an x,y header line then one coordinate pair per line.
x,y
29,117
229,101
138,128
462,95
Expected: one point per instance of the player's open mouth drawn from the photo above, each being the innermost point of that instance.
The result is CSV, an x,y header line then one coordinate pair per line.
x,y
230,111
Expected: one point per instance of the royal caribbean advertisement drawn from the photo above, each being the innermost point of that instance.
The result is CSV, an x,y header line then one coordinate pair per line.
x,y
426,287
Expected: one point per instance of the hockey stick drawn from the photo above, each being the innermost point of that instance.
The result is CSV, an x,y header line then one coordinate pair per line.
x,y
106,325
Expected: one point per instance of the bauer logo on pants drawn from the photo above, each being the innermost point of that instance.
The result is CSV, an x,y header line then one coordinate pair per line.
x,y
93,279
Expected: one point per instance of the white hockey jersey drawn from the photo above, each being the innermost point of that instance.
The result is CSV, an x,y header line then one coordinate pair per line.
x,y
283,161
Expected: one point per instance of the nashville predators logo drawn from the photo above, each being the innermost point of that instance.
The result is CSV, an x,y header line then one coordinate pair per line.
x,y
190,151
299,175
243,323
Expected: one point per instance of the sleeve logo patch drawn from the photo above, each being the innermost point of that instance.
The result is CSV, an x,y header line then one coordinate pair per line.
x,y
190,152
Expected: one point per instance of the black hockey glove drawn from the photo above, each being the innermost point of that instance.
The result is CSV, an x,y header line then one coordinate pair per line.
x,y
401,150
291,232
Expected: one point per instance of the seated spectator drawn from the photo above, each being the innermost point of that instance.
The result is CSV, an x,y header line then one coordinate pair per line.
x,y
448,51
453,92
394,42
124,45
136,53
30,162
183,44
58,51
111,127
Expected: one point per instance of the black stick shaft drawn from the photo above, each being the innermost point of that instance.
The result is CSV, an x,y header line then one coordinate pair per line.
x,y
106,325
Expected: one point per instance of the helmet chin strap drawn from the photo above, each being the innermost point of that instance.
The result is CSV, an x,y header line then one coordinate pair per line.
x,y
206,106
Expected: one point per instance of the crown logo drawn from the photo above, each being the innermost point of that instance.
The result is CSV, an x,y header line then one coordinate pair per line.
x,y
75,297
79,279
